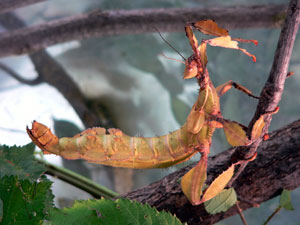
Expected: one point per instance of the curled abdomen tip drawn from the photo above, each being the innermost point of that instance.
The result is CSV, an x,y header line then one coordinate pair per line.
x,y
42,136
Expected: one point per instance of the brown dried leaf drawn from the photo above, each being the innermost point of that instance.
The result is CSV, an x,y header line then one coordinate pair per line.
x,y
227,42
210,27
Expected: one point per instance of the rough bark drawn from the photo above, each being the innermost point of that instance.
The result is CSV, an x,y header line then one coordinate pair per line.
x,y
276,167
9,5
103,23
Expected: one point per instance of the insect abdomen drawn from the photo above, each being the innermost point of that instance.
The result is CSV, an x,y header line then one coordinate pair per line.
x,y
131,152
116,148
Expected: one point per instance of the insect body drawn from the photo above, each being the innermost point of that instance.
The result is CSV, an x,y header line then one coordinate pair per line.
x,y
118,149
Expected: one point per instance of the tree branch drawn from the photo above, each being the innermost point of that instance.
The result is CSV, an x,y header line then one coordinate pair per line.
x,y
9,5
103,23
54,74
19,78
272,91
263,179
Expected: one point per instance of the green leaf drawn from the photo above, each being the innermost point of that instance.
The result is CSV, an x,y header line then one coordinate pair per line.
x,y
105,211
20,161
285,200
25,202
222,202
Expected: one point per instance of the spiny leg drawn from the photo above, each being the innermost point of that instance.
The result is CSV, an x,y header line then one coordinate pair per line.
x,y
223,88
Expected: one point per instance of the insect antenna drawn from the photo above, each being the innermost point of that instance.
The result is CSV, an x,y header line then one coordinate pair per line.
x,y
169,44
177,60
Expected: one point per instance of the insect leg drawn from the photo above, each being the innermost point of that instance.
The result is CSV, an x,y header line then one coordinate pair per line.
x,y
223,88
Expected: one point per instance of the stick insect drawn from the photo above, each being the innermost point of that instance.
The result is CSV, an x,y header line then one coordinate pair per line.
x,y
114,148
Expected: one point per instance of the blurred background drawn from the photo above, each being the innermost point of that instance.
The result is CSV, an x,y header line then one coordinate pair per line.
x,y
131,86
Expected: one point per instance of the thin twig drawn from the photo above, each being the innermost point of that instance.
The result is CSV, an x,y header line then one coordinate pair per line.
x,y
272,91
9,5
116,22
252,203
272,215
240,212
18,77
